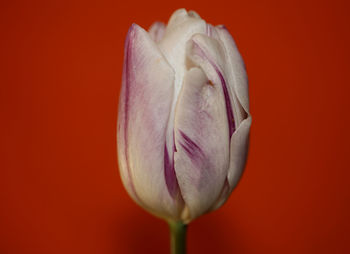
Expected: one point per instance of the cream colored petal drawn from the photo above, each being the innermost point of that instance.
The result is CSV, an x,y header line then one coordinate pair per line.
x,y
202,142
145,103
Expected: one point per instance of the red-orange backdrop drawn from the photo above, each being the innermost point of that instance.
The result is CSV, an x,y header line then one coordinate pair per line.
x,y
60,75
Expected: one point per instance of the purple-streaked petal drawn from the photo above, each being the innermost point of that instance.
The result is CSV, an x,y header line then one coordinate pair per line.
x,y
202,142
237,74
221,61
181,26
207,53
145,103
156,31
237,77
218,58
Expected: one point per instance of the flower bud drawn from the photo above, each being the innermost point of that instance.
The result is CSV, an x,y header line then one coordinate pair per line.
x,y
183,122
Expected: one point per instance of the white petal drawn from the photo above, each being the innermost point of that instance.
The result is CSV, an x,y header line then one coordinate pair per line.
x,y
193,14
239,150
238,156
179,30
202,142
238,78
237,75
221,56
145,103
177,17
156,31
209,54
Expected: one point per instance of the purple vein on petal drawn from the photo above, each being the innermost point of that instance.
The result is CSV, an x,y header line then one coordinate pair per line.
x,y
169,172
231,122
229,112
192,149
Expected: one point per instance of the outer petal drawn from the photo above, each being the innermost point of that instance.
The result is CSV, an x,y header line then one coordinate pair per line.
x,y
220,57
239,87
156,31
202,142
209,55
237,75
238,156
145,103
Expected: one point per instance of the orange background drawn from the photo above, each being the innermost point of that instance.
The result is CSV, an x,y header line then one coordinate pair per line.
x,y
60,75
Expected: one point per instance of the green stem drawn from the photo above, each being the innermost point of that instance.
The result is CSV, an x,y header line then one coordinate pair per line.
x,y
177,237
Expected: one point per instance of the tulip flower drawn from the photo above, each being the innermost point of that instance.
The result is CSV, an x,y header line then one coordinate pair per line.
x,y
183,122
